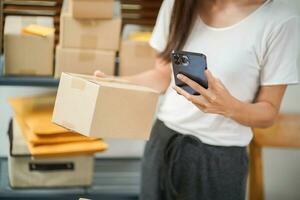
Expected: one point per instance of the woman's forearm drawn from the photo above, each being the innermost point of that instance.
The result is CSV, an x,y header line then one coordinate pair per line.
x,y
152,79
256,115
218,100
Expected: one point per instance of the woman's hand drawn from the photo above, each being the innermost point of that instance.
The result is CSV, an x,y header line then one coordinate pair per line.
x,y
216,99
100,74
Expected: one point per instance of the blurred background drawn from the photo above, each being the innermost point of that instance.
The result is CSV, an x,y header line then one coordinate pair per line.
x,y
118,168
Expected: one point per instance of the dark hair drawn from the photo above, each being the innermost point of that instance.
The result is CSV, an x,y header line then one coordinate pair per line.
x,y
183,16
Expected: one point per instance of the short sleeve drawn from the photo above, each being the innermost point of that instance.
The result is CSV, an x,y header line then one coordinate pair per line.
x,y
281,58
160,32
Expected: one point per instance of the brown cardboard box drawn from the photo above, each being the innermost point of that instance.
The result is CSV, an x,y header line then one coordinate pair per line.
x,y
136,57
84,61
90,34
104,108
27,54
92,9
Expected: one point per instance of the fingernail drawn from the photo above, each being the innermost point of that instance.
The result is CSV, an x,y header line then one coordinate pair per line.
x,y
179,76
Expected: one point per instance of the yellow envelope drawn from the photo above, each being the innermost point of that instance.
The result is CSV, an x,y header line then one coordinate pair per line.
x,y
68,149
50,139
39,30
39,122
63,149
25,105
37,112
140,36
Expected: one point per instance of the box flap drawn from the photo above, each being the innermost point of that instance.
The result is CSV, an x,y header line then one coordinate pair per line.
x,y
114,82
75,95
14,24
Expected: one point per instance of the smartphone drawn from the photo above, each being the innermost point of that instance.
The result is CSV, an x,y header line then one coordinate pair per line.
x,y
191,65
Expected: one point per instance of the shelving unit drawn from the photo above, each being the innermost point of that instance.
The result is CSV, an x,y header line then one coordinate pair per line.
x,y
114,179
37,81
49,8
28,81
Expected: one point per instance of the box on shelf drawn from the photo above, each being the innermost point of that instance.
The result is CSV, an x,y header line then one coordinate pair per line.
x,y
26,171
84,61
106,108
136,55
91,34
27,54
92,9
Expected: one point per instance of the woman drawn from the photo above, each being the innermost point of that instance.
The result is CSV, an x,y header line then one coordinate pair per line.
x,y
197,148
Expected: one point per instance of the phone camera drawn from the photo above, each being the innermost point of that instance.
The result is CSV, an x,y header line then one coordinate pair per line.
x,y
177,59
185,60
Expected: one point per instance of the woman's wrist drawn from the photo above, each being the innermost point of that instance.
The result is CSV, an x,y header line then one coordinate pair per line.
x,y
235,109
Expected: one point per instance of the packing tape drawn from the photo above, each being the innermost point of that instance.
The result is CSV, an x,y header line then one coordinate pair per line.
x,y
87,40
86,56
78,84
108,79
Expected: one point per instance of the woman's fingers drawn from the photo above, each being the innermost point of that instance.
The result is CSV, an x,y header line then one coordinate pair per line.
x,y
210,79
99,73
192,84
197,87
194,99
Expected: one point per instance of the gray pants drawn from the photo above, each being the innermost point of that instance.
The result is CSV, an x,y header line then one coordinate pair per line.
x,y
181,167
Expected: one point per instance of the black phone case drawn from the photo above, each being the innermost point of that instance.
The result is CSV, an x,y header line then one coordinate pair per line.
x,y
194,69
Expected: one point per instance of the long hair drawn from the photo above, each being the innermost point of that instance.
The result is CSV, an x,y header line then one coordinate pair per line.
x,y
183,17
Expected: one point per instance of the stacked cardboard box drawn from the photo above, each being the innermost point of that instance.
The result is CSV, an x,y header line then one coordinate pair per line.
x,y
136,55
27,54
89,37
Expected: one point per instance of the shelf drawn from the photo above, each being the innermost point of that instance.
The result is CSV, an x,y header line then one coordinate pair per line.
x,y
28,81
114,179
37,81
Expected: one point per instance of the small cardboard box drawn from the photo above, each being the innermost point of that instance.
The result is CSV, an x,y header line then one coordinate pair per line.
x,y
106,108
90,34
27,54
92,9
84,61
135,56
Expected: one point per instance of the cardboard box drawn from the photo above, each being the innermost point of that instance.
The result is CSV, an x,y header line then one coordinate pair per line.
x,y
136,57
90,34
27,54
84,61
92,9
105,108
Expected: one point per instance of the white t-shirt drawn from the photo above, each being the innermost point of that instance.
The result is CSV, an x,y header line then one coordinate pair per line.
x,y
260,50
